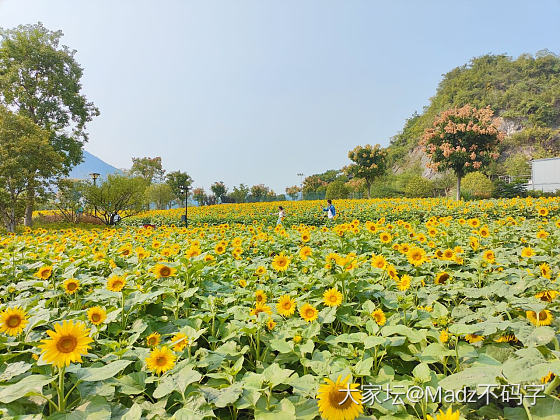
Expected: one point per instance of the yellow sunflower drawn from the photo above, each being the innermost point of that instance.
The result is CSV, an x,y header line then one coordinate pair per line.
x,y
71,286
67,343
546,272
308,312
416,256
404,283
160,360
547,295
280,262
441,278
220,249
260,270
547,378
527,252
13,320
115,283
489,256
96,315
270,324
260,296
385,237
444,336
448,415
179,341
44,272
473,338
305,252
153,339
162,270
332,297
335,403
261,307
286,306
544,317
379,317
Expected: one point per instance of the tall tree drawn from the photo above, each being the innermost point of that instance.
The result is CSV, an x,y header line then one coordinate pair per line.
x,y
69,199
369,162
150,169
219,189
40,79
463,140
177,180
27,160
118,194
161,195
200,196
239,194
293,191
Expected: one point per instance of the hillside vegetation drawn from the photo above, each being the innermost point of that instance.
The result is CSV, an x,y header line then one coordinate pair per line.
x,y
525,92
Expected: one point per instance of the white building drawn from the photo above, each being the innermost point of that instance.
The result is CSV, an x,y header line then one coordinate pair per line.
x,y
545,175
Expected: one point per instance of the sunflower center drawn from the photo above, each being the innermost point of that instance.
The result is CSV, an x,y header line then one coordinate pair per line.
x,y
96,317
543,315
13,321
165,271
72,286
309,313
287,305
67,344
161,360
332,298
336,396
117,284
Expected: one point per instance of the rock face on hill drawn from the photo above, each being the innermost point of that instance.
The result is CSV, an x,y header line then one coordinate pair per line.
x,y
523,92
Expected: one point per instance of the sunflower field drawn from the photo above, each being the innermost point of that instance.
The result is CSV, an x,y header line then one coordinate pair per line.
x,y
458,302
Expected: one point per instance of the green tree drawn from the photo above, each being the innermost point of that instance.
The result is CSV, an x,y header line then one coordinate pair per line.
x,y
176,181
418,186
219,189
477,185
150,169
259,192
161,195
369,162
293,192
27,160
517,165
40,79
200,196
69,199
337,190
239,194
118,195
462,140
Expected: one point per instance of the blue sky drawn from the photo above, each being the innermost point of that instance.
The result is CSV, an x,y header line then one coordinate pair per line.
x,y
255,91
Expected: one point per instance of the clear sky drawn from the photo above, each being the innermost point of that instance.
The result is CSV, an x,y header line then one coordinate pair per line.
x,y
255,91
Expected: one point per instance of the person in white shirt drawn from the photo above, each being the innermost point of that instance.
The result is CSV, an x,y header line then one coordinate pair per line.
x,y
331,211
281,215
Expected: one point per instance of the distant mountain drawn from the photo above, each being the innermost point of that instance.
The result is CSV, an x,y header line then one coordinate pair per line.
x,y
90,165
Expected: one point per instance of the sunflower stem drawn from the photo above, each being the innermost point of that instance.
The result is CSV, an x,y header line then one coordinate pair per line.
x,y
61,399
552,386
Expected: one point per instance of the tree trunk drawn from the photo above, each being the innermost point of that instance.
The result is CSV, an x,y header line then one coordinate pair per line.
x,y
458,188
29,204
368,189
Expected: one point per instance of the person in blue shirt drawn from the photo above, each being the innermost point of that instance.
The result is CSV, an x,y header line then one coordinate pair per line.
x,y
331,211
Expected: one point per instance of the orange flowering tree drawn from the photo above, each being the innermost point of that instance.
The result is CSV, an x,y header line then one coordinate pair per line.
x,y
462,139
369,162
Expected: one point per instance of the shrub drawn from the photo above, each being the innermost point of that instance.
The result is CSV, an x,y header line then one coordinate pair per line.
x,y
418,186
337,190
478,185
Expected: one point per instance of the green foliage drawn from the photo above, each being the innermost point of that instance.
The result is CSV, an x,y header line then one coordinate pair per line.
x,y
150,169
41,79
219,189
419,187
239,194
27,160
200,196
293,191
177,180
517,165
161,195
69,199
337,190
369,162
477,185
516,188
525,90
119,194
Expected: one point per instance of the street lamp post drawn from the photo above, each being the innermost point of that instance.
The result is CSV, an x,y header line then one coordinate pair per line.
x,y
301,184
185,190
94,176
